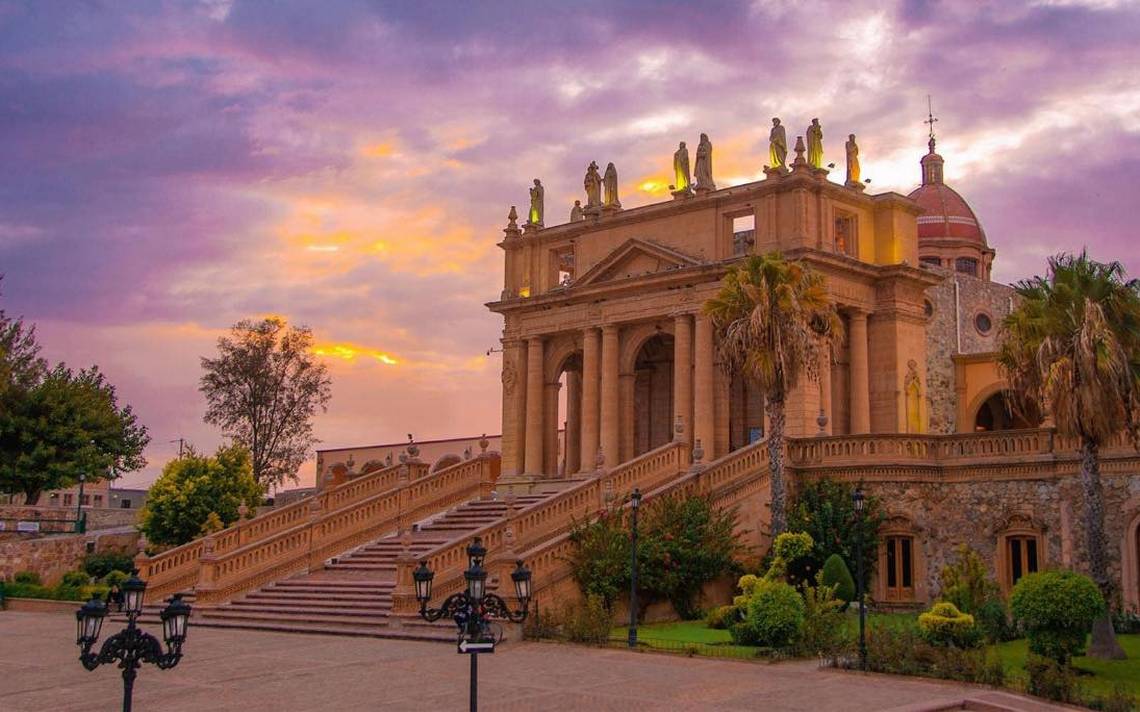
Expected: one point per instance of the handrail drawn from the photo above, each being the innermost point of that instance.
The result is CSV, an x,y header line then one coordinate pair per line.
x,y
175,569
325,532
545,519
548,561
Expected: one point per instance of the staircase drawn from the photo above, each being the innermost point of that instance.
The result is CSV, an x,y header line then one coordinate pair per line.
x,y
352,595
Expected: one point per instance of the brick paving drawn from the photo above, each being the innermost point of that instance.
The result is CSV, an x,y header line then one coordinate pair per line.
x,y
256,670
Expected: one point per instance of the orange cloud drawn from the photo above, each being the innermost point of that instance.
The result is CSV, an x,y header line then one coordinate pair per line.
x,y
350,352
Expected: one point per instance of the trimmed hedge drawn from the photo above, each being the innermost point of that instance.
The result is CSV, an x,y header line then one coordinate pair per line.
x,y
835,574
1056,609
944,624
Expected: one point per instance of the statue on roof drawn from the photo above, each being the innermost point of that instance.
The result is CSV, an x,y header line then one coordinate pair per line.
x,y
853,172
576,214
682,178
593,183
704,174
537,194
778,146
815,144
611,185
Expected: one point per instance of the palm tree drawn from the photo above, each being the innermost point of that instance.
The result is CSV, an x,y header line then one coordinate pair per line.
x,y
773,319
1072,348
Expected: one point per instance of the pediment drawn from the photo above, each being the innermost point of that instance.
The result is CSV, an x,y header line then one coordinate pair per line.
x,y
635,258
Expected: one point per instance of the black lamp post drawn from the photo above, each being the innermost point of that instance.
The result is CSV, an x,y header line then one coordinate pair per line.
x,y
634,505
473,609
857,499
132,646
79,506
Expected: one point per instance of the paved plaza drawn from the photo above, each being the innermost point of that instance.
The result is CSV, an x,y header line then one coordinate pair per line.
x,y
253,671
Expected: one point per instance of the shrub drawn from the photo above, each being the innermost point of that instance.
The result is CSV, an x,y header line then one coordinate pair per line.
x,y
944,624
588,622
1126,622
1118,699
772,617
835,574
966,582
75,579
721,617
902,651
993,621
599,560
114,578
788,548
27,577
18,589
99,565
823,633
1056,609
1051,680
823,508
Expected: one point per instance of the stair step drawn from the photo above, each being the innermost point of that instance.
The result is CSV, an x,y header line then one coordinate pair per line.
x,y
379,630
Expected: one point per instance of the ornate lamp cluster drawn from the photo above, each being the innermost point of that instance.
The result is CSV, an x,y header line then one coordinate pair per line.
x,y
132,646
473,608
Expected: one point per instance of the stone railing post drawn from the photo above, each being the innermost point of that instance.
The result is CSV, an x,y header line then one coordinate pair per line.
x,y
205,588
403,519
142,561
486,477
316,511
404,601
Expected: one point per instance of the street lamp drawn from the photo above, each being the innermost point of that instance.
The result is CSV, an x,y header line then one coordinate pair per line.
x,y
634,505
79,506
473,609
132,646
857,500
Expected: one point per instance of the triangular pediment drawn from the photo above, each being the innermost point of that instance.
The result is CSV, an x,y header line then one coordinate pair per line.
x,y
635,258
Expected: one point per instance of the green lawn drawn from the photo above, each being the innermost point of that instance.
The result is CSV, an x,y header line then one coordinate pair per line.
x,y
690,637
1106,673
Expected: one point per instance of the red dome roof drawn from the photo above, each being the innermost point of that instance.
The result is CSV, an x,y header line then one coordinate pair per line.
x,y
945,213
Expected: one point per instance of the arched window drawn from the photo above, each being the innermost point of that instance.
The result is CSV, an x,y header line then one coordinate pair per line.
x,y
1020,550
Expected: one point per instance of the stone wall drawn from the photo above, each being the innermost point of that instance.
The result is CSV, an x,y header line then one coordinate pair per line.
x,y
947,514
51,557
950,322
57,520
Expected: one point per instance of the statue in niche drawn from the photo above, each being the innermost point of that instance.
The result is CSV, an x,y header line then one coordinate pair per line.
x,y
704,173
537,194
611,185
593,183
576,214
815,144
853,172
913,386
682,179
778,146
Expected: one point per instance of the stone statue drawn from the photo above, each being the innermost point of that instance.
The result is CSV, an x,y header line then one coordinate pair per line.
x,y
853,172
778,146
815,144
513,219
593,183
611,185
576,213
682,179
704,174
536,200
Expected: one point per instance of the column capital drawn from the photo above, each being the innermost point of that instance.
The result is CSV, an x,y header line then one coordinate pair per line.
x,y
853,311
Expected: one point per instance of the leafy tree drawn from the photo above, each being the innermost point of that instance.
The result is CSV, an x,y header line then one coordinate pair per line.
x,y
263,389
20,364
63,425
197,492
599,560
823,508
773,320
1072,348
1056,609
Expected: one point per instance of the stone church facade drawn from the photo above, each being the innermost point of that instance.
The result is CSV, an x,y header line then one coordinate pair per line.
x,y
604,339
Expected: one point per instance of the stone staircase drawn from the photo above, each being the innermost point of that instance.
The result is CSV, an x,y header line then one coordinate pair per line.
x,y
352,594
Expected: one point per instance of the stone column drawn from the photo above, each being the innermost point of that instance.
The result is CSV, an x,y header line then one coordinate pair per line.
x,y
610,435
860,377
825,388
591,381
626,429
683,374
534,397
704,425
573,422
514,406
550,428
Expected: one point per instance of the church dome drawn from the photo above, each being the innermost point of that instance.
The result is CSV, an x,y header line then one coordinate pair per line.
x,y
949,233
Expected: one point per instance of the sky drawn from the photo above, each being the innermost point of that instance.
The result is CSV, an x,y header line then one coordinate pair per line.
x,y
169,167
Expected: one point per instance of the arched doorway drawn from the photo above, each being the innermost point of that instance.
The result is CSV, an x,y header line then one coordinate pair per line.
x,y
653,394
996,413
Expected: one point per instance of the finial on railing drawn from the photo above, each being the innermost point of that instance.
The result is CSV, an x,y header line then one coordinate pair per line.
x,y
821,421
484,443
679,429
600,460
698,452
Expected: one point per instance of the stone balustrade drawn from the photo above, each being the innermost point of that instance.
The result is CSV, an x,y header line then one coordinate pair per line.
x,y
541,522
925,449
303,535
